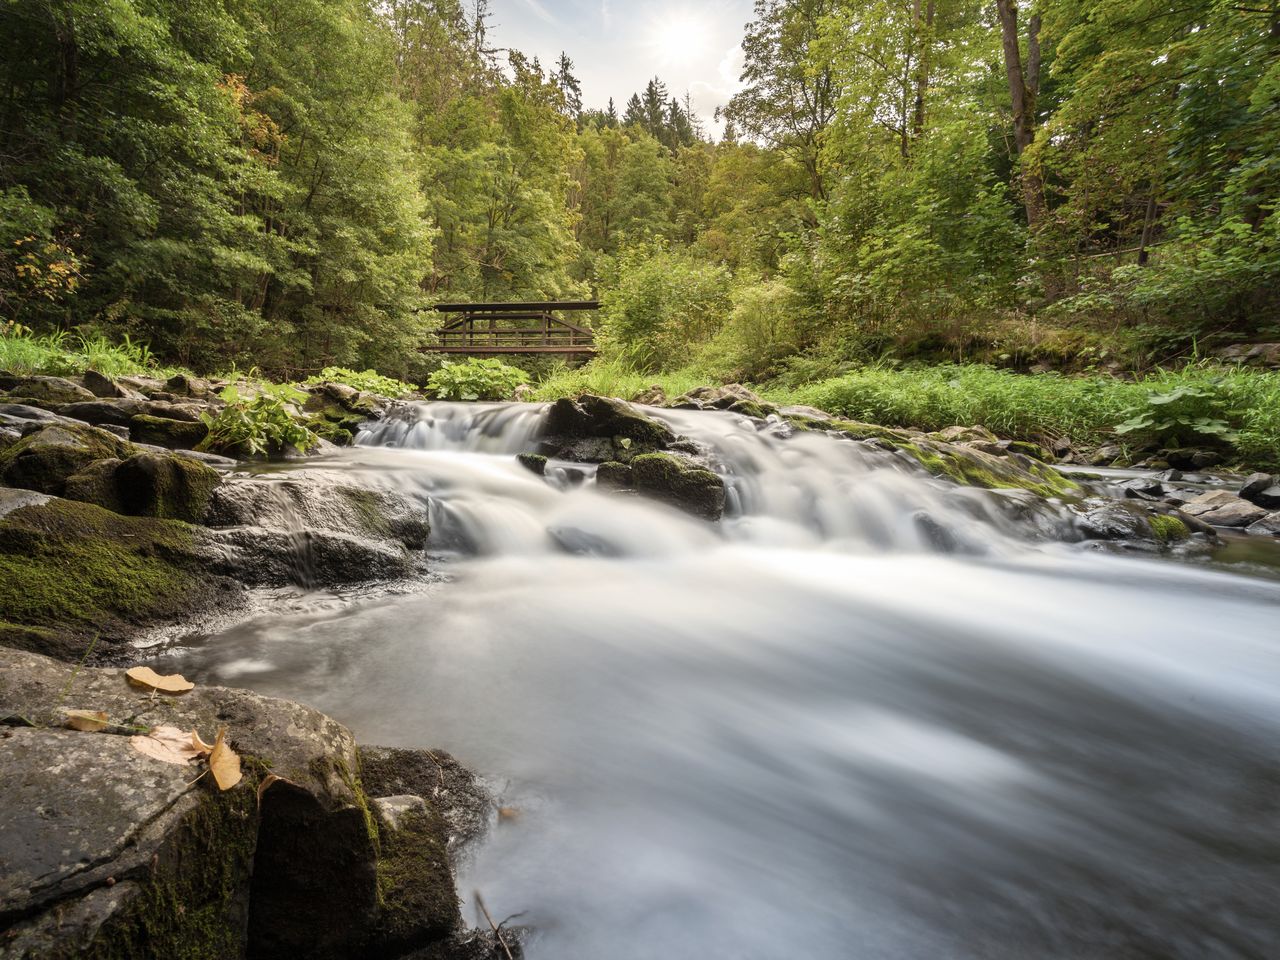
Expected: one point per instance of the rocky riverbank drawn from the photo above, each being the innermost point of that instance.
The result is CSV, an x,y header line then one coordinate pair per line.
x,y
112,523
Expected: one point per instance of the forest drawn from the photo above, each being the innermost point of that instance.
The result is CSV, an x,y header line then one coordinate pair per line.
x,y
287,183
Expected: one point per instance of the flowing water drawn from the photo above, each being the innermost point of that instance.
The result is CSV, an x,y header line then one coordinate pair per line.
x,y
869,715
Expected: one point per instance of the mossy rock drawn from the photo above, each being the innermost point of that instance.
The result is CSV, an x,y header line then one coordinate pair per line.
x,y
147,485
45,389
162,432
605,417
533,462
1167,528
96,484
855,429
74,571
45,458
670,479
418,901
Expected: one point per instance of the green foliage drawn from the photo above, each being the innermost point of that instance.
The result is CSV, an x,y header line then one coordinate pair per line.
x,y
613,378
476,379
365,380
60,354
662,305
1176,414
258,426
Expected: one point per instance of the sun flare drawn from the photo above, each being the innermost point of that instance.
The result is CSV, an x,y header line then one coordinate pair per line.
x,y
678,38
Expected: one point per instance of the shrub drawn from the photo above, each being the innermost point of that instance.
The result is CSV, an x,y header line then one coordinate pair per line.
x,y
259,426
369,381
1174,414
61,354
476,379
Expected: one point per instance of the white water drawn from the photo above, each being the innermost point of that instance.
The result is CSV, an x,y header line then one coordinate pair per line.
x,y
809,732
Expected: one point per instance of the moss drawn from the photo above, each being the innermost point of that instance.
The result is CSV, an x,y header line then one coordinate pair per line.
x,y
1168,529
533,462
856,430
96,484
750,408
417,898
163,432
167,487
194,899
695,490
973,469
45,458
78,570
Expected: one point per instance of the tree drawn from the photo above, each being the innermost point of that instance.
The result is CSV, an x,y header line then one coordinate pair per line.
x,y
569,86
1024,87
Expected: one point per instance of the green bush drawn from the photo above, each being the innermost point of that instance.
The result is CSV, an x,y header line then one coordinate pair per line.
x,y
1176,414
61,354
369,381
259,426
763,328
613,378
476,379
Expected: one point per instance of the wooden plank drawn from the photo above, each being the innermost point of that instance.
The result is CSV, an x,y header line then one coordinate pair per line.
x,y
483,350
519,306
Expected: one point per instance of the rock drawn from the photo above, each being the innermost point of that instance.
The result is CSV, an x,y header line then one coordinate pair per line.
x,y
1126,520
121,412
20,414
418,903
454,790
11,500
260,556
1262,489
166,486
184,385
670,479
317,501
44,389
70,572
163,432
1105,455
1256,354
1268,526
718,398
1222,509
96,484
1191,458
44,459
107,852
592,416
655,396
8,437
804,413
960,434
104,387
533,462
522,394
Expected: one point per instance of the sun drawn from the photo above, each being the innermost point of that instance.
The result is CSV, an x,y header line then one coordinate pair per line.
x,y
677,38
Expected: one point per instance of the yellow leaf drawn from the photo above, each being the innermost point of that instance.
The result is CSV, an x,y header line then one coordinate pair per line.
x,y
89,721
146,677
168,744
224,763
201,747
267,781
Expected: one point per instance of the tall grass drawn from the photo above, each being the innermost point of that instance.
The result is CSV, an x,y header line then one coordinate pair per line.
x,y
616,379
61,354
1081,409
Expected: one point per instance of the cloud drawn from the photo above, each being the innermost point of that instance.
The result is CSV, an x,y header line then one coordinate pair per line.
x,y
604,12
540,10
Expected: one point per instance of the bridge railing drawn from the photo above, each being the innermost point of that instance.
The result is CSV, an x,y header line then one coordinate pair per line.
x,y
533,327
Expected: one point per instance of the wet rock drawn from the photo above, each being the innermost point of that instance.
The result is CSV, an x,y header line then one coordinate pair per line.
x,y
44,458
164,432
107,852
44,389
655,396
1105,455
463,801
185,385
147,485
670,479
21,414
1262,489
316,501
1114,520
1191,458
533,462
260,556
720,398
71,572
522,394
804,413
1222,509
594,429
418,903
1268,526
960,434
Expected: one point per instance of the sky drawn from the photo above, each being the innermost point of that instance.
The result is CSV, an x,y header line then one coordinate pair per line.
x,y
616,45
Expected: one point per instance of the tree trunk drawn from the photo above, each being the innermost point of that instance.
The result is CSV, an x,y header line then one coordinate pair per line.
x,y
922,66
1022,97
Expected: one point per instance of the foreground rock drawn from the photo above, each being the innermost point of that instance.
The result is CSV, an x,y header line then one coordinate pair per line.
x,y
105,852
594,429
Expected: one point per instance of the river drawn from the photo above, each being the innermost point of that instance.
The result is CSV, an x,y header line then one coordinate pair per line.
x,y
868,715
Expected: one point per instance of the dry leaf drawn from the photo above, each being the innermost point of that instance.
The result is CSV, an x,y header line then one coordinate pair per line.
x,y
224,763
146,677
89,721
168,744
202,748
508,813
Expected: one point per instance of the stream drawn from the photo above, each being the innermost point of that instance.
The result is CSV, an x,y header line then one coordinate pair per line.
x,y
868,715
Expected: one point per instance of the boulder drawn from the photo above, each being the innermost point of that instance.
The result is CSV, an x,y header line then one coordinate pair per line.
x,y
1268,526
260,556
107,852
655,396
533,462
164,432
74,573
1191,458
592,416
121,412
1262,489
106,388
20,415
147,485
668,478
44,458
44,389
1222,509
1127,520
185,385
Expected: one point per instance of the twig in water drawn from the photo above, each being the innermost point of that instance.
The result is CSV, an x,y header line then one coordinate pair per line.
x,y
496,929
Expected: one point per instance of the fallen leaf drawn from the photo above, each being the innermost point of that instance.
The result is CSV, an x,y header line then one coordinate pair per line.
x,y
508,813
224,763
88,721
168,744
146,677
201,747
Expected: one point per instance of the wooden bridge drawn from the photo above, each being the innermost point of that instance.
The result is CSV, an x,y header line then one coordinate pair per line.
x,y
484,329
